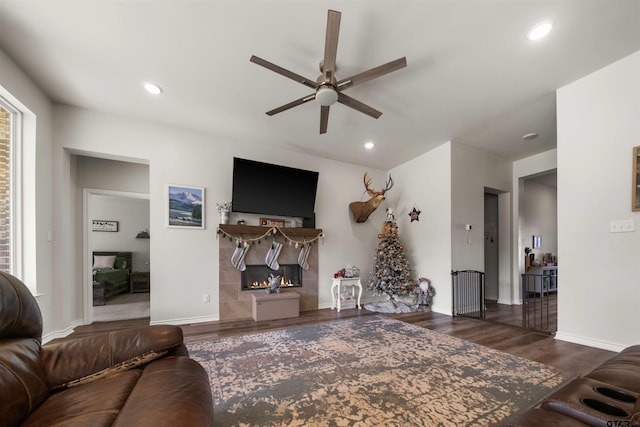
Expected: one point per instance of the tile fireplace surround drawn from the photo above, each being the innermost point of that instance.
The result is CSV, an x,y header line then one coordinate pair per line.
x,y
236,303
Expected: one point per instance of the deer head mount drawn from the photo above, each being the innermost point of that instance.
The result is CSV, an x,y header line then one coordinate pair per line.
x,y
362,210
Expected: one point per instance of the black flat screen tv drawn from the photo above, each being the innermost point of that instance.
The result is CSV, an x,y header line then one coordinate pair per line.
x,y
264,188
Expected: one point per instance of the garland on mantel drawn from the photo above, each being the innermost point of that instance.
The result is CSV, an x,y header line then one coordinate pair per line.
x,y
271,232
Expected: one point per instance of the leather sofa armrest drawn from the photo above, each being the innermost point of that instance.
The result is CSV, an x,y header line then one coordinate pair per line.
x,y
81,360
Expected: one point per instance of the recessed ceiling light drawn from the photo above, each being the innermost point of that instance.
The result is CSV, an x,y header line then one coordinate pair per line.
x,y
540,30
530,136
152,88
369,145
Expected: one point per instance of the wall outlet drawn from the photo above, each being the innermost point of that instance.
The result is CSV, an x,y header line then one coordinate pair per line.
x,y
206,298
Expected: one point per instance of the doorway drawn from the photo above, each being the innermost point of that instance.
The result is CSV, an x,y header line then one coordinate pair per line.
x,y
124,206
538,222
540,279
130,214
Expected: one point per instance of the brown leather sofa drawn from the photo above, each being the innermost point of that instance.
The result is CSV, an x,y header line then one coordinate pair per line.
x,y
607,396
134,377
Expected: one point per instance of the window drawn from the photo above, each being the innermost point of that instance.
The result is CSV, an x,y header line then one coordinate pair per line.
x,y
18,189
5,188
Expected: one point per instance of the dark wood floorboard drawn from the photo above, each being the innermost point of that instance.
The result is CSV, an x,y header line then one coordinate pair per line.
x,y
570,358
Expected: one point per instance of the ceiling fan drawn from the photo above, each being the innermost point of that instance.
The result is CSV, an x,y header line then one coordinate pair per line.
x,y
328,89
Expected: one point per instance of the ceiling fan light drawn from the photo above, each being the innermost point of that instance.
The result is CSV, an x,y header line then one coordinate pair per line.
x,y
326,96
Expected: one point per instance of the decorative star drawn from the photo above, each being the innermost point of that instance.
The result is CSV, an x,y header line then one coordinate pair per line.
x,y
415,215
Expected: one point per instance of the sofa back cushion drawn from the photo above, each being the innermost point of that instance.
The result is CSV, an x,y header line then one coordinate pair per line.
x,y
22,383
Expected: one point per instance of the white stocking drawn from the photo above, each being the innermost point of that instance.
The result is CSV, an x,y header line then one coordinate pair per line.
x,y
272,256
304,255
237,259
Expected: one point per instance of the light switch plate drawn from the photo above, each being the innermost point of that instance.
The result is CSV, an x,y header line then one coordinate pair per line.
x,y
622,226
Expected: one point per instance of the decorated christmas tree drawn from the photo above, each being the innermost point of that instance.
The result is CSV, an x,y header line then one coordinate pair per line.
x,y
391,274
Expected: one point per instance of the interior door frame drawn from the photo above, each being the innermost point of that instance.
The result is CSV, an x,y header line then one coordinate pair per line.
x,y
87,241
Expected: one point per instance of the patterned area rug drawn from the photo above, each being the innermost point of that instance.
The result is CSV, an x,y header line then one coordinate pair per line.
x,y
370,371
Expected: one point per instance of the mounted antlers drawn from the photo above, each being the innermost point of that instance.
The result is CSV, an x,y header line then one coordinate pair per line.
x,y
362,210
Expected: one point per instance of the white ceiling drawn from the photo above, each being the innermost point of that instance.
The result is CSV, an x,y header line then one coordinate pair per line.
x,y
472,74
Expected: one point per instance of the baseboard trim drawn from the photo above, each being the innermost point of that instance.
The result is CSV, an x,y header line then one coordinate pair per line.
x,y
441,310
63,333
589,342
186,320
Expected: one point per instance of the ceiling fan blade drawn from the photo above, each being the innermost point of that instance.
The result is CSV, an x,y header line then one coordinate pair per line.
x,y
357,105
324,118
283,72
331,45
292,104
373,73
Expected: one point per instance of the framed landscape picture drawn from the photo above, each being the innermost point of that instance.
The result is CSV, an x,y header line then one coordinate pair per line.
x,y
185,207
635,189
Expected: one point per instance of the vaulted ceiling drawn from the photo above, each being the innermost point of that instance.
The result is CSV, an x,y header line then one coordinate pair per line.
x,y
472,76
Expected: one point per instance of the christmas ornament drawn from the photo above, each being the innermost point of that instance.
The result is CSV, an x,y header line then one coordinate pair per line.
x,y
414,214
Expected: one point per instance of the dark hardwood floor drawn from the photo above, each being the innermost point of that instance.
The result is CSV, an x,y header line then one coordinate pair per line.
x,y
542,312
570,358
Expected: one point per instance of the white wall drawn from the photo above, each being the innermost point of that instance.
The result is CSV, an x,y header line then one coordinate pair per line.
x,y
447,184
114,175
184,263
125,180
472,171
38,270
598,126
425,182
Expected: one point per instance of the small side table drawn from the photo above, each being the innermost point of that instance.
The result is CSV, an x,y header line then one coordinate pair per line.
x,y
140,282
340,282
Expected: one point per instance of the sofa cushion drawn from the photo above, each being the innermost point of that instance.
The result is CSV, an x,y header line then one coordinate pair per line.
x,y
102,355
622,370
593,402
189,402
95,404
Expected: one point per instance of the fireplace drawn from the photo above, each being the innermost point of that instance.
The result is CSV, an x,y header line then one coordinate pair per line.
x,y
234,303
257,276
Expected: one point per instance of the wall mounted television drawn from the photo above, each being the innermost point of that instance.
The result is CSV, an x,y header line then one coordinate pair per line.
x,y
264,188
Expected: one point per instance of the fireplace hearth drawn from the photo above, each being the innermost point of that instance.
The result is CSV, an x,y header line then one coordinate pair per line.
x,y
257,276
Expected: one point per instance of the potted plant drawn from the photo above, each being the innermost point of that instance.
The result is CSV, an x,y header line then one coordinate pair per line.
x,y
224,209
